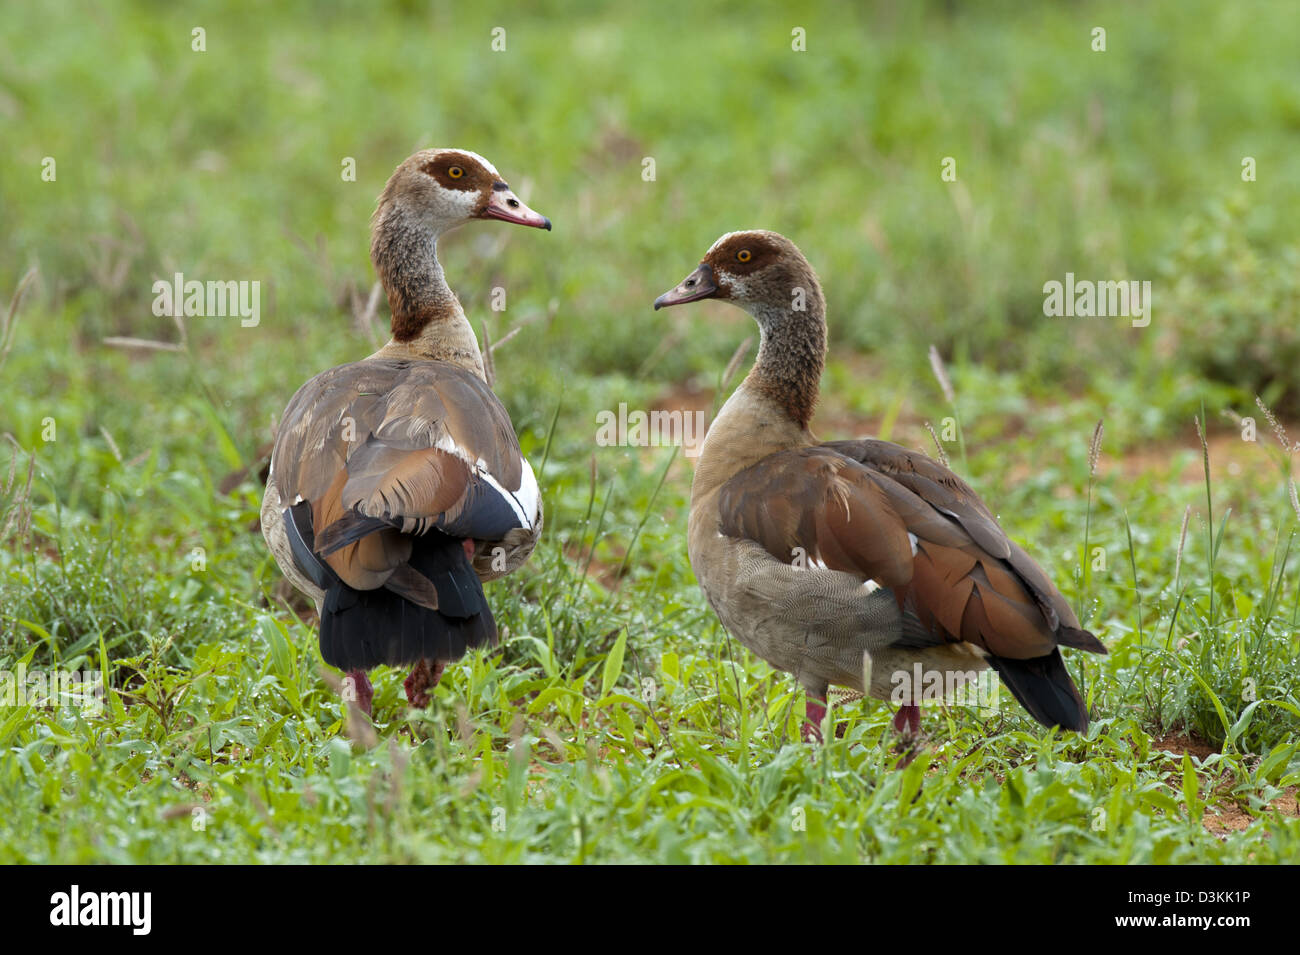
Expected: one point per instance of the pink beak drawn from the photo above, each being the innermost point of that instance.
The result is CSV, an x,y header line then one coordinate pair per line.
x,y
505,205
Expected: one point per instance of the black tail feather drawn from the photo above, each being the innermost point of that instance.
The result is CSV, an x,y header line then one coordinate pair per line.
x,y
442,559
361,629
1080,640
1044,688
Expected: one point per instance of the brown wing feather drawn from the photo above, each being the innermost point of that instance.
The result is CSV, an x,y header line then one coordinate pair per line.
x,y
367,563
406,406
415,484
795,504
940,487
393,439
933,483
857,506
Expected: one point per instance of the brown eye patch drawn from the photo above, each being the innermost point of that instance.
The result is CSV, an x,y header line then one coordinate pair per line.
x,y
456,172
743,254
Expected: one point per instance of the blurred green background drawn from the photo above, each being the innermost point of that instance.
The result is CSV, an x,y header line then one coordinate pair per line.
x,y
1122,164
226,164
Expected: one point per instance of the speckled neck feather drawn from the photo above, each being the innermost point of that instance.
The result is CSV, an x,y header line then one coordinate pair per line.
x,y
405,256
788,369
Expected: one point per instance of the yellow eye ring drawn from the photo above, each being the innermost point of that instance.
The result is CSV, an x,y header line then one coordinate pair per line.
x,y
455,172
744,255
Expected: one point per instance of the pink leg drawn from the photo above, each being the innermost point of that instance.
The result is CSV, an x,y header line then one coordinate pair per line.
x,y
907,721
815,712
424,677
360,691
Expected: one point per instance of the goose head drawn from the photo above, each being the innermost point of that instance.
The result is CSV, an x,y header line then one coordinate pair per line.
x,y
440,189
765,274
762,272
430,193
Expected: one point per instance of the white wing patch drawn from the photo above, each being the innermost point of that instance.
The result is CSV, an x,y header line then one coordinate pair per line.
x,y
529,495
446,444
524,501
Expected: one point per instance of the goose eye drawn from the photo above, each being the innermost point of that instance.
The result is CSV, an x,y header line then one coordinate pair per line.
x,y
455,172
744,255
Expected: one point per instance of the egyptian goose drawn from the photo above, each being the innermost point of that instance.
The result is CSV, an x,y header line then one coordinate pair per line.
x,y
396,482
815,554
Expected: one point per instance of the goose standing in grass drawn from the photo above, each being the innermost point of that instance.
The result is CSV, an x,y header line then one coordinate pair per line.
x,y
851,562
396,482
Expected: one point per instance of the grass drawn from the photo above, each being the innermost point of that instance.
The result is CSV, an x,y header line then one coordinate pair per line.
x,y
617,722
